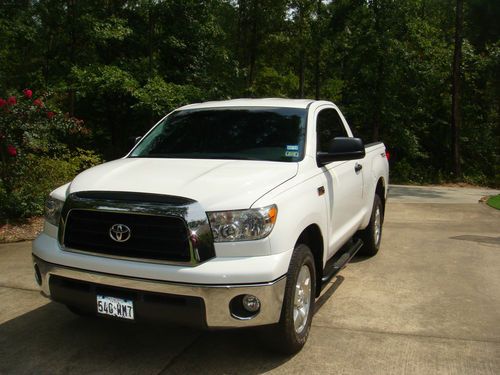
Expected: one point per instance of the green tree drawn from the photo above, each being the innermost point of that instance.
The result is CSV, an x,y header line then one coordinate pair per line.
x,y
121,65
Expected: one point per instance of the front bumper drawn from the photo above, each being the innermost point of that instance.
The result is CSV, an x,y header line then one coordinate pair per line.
x,y
216,298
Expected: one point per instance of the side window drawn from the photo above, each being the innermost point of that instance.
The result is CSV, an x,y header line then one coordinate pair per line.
x,y
328,126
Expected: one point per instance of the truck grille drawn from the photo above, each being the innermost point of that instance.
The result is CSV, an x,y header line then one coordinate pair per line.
x,y
153,237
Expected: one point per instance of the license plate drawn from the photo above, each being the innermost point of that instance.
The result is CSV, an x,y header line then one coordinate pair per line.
x,y
113,306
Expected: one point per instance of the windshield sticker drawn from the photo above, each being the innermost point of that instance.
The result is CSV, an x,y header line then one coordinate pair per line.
x,y
293,154
292,147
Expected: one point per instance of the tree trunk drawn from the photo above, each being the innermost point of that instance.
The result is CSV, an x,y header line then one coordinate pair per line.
x,y
317,56
456,91
379,73
72,14
423,6
241,39
150,41
253,45
4,171
48,54
317,87
302,72
150,54
302,52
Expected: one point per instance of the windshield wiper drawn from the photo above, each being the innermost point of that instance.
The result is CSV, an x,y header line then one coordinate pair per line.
x,y
200,157
235,158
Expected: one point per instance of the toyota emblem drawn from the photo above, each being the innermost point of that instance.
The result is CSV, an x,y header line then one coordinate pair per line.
x,y
120,233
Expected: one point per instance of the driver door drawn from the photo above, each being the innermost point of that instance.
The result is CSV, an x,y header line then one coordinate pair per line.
x,y
344,182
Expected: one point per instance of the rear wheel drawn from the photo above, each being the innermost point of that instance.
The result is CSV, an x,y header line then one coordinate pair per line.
x,y
372,234
291,333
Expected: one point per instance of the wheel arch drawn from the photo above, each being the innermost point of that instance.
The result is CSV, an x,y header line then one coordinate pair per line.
x,y
380,190
313,238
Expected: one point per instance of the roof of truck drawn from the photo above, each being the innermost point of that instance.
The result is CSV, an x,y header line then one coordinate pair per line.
x,y
265,102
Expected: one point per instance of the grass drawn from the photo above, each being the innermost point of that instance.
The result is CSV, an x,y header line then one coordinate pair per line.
x,y
494,202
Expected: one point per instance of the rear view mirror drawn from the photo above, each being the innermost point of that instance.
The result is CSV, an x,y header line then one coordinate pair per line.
x,y
342,148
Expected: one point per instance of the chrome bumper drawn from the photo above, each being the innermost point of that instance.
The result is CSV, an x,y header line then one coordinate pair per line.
x,y
216,297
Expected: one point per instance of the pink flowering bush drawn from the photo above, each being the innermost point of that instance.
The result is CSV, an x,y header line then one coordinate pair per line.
x,y
34,152
28,93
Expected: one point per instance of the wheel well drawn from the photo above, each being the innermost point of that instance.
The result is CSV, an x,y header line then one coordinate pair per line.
x,y
311,236
380,191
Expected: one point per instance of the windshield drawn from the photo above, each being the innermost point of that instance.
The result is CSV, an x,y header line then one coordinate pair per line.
x,y
251,133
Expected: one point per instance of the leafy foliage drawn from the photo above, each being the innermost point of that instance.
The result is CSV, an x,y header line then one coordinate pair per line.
x,y
121,65
36,154
36,176
160,97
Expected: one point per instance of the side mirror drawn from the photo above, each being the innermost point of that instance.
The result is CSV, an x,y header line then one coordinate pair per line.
x,y
342,148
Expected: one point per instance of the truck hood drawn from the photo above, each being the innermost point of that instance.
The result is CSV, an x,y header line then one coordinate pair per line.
x,y
216,184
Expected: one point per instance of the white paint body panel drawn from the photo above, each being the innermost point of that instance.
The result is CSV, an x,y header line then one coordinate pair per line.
x,y
217,271
215,184
233,184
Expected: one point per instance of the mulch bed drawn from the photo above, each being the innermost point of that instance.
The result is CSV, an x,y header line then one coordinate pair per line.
x,y
25,230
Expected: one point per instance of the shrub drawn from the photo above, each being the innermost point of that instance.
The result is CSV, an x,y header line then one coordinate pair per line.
x,y
34,156
37,176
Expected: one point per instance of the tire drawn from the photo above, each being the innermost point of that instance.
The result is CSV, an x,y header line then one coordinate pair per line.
x,y
372,234
292,331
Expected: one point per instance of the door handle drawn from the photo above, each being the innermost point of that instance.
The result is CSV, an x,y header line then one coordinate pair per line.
x,y
358,167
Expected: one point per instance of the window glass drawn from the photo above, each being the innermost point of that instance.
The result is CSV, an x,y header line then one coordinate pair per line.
x,y
248,133
328,126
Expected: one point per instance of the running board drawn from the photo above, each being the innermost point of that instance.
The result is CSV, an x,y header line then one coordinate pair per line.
x,y
340,260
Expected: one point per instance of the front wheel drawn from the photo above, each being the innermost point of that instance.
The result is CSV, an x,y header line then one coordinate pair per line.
x,y
291,333
372,234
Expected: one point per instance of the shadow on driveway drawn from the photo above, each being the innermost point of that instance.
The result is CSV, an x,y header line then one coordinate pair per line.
x,y
478,239
408,191
50,339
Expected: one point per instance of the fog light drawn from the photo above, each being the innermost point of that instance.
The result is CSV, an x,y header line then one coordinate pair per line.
x,y
251,303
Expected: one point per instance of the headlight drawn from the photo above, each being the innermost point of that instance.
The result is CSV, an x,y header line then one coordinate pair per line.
x,y
53,208
243,225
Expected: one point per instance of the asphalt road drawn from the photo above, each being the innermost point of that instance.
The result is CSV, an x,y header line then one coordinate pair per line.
x,y
428,303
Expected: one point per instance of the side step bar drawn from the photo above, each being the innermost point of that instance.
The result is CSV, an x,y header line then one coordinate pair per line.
x,y
340,260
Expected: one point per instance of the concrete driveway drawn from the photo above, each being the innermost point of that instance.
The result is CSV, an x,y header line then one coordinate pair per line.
x,y
428,303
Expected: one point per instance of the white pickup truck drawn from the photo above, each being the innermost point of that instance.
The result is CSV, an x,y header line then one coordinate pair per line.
x,y
225,214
